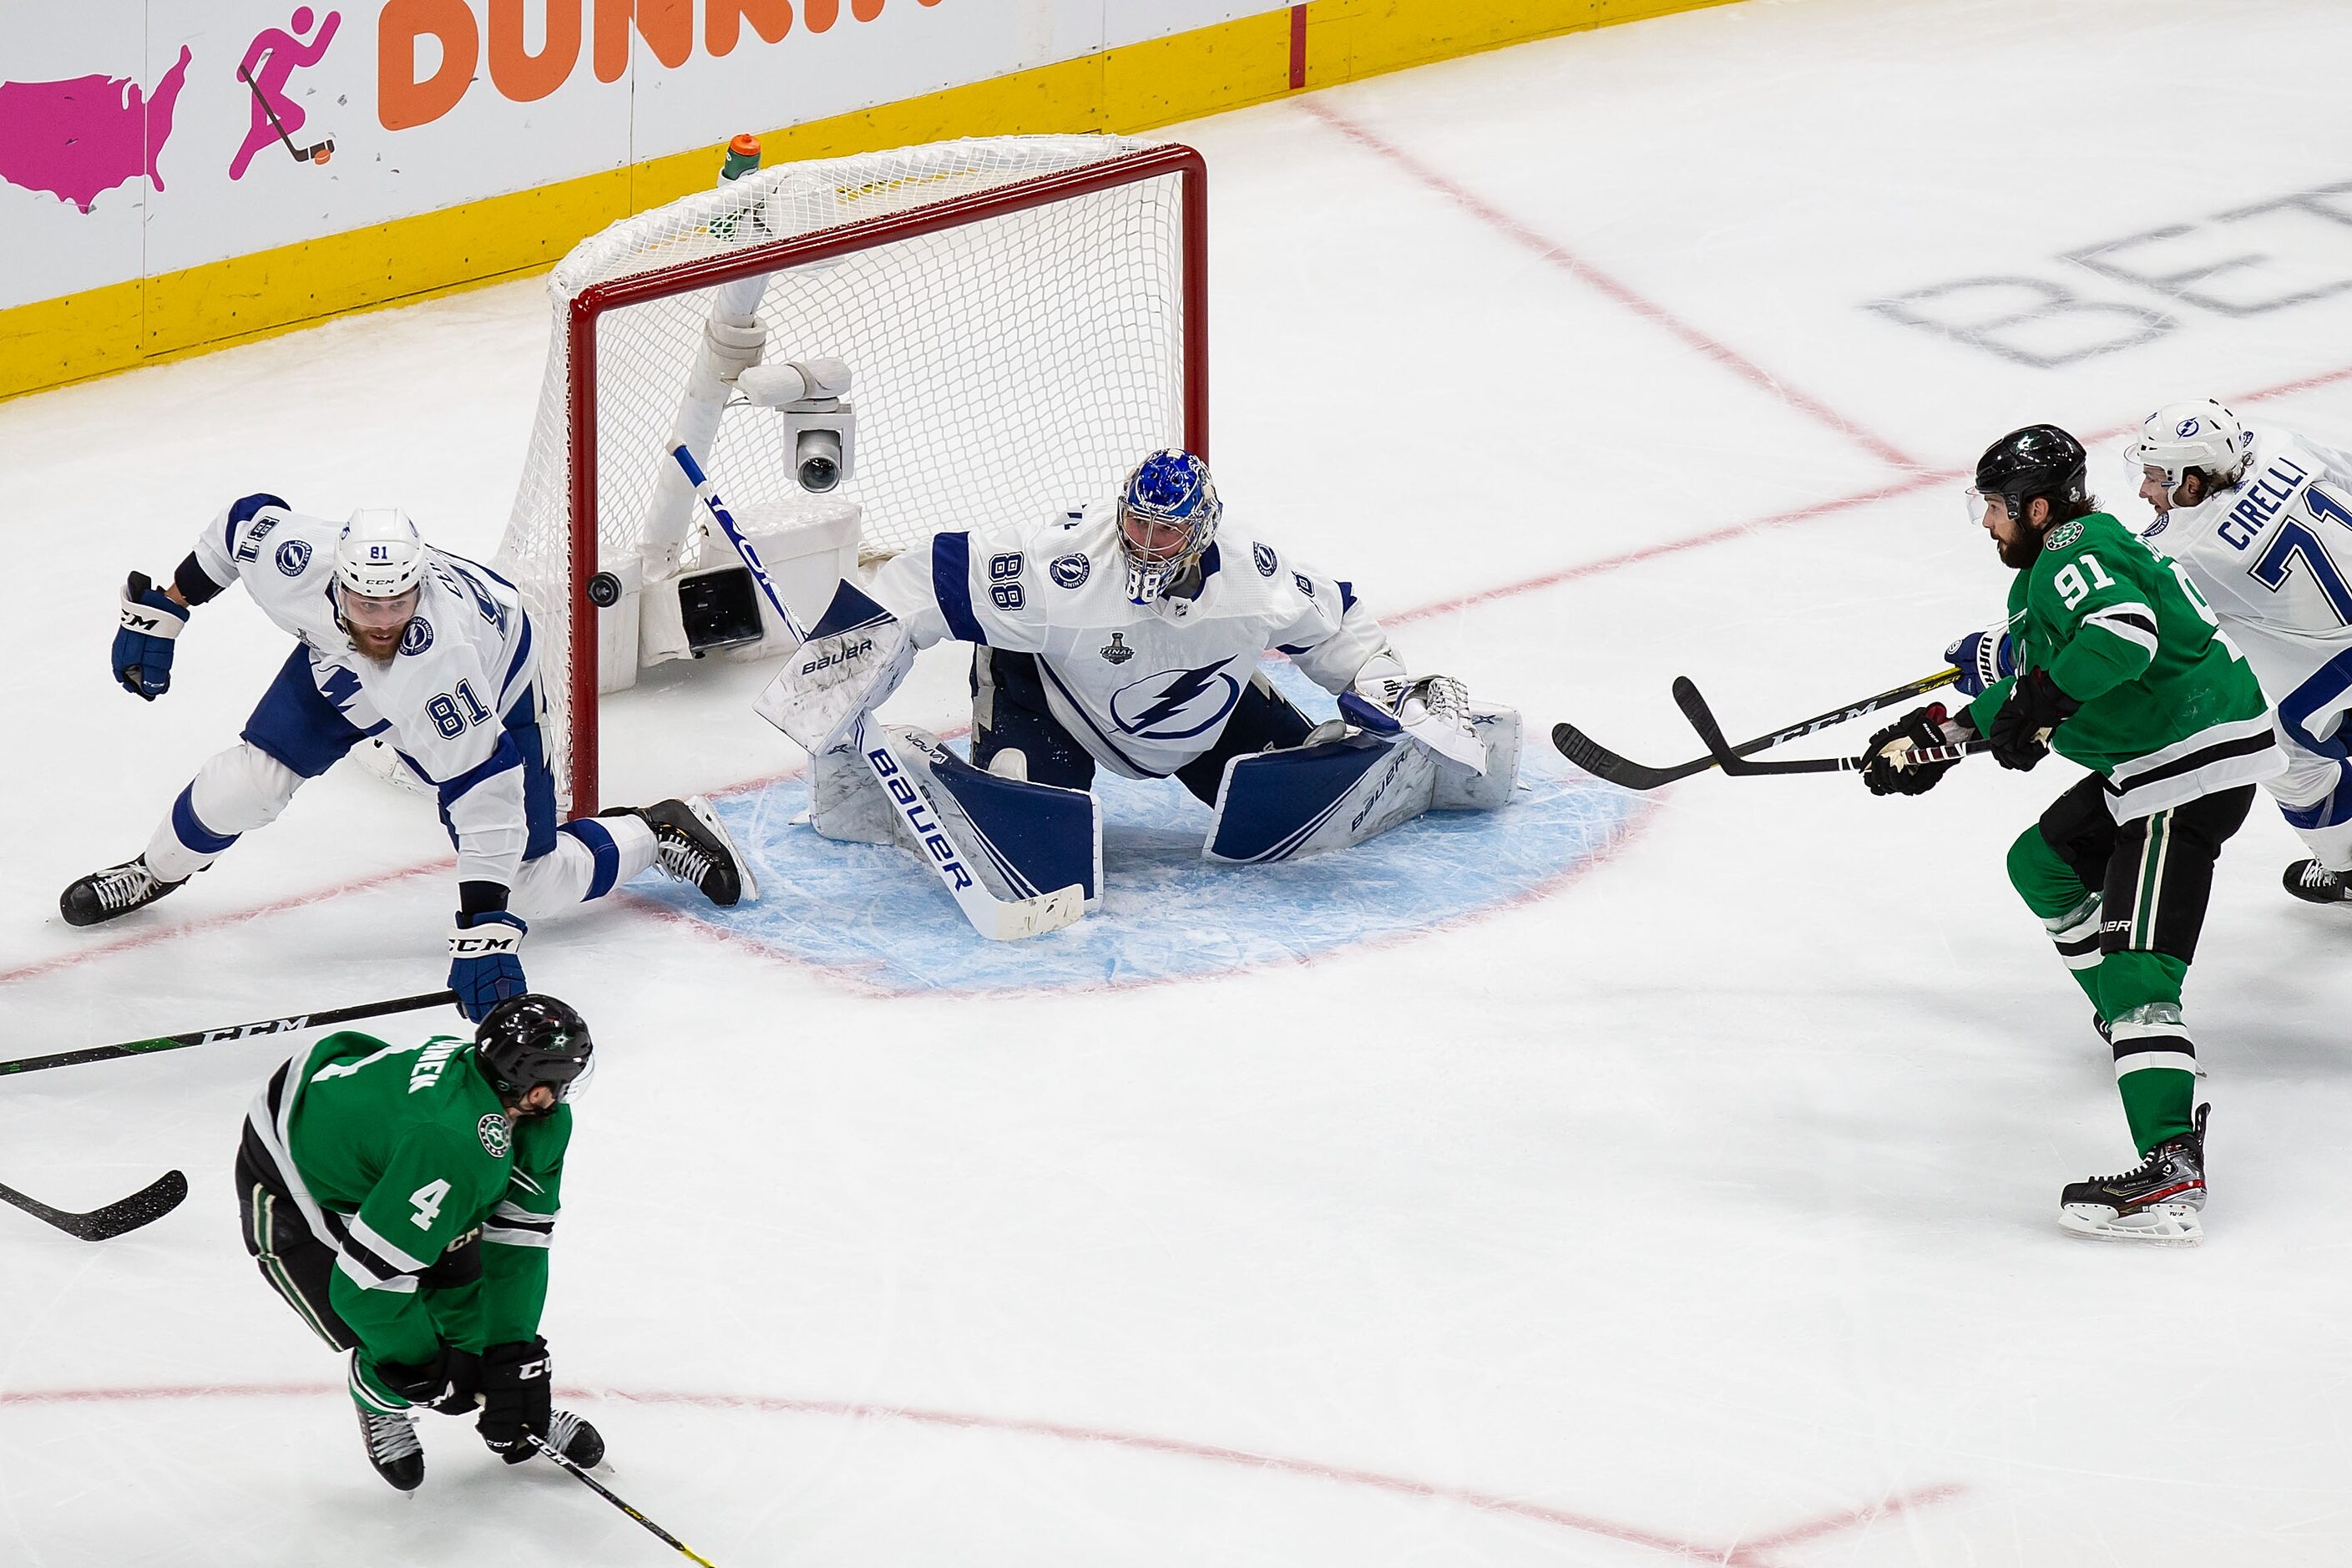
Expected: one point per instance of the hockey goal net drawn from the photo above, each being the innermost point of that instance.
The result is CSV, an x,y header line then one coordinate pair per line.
x,y
1024,317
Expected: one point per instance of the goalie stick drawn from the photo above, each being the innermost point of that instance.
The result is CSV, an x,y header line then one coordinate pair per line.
x,y
601,1491
285,1026
1702,718
150,1203
1609,767
1000,920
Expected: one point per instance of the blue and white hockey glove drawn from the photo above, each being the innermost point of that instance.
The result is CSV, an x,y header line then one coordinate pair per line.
x,y
1983,657
142,648
486,961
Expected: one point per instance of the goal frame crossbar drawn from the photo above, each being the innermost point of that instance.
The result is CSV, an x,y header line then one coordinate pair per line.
x,y
591,303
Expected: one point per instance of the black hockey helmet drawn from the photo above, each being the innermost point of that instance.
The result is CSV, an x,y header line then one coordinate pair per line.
x,y
530,1040
2038,461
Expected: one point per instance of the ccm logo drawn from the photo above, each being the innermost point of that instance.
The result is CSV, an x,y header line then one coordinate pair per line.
x,y
838,656
274,1027
462,946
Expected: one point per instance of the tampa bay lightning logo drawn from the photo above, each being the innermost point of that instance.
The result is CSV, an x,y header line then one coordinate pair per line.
x,y
2156,528
1265,559
294,557
1070,571
1176,704
417,637
2189,427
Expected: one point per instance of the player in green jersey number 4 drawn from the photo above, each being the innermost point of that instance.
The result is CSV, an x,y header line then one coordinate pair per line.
x,y
2121,667
401,1199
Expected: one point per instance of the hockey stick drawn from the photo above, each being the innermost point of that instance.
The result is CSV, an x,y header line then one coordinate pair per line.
x,y
1000,920
1608,766
317,152
151,1202
552,1452
285,1026
1702,718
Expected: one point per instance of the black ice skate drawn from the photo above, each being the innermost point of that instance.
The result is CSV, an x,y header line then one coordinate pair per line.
x,y
117,891
577,1441
2156,1201
691,845
2315,883
392,1448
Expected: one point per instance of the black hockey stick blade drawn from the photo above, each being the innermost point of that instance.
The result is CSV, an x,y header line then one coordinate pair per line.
x,y
285,1026
1608,766
149,1203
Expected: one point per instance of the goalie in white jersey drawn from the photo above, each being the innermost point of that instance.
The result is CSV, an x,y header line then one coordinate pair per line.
x,y
434,652
2260,519
1127,637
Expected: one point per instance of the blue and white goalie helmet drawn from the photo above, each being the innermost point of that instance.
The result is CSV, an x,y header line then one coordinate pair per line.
x,y
2200,434
1167,516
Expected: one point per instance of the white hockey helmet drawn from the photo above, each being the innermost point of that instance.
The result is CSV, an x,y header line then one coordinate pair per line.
x,y
380,554
2200,434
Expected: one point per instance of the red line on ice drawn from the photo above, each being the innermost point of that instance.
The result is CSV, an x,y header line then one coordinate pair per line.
x,y
1920,479
1745,1552
1585,272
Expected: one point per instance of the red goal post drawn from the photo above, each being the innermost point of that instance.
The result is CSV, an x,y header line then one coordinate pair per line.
x,y
1025,316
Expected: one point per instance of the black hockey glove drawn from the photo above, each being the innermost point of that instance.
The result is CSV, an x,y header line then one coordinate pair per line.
x,y
2021,730
449,1383
515,1398
1883,772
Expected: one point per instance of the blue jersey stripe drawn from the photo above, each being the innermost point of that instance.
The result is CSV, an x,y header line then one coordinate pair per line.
x,y
951,585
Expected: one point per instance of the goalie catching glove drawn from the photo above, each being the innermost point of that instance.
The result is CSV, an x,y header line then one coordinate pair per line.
x,y
1433,710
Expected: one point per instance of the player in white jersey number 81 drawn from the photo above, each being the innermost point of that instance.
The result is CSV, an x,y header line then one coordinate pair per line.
x,y
429,650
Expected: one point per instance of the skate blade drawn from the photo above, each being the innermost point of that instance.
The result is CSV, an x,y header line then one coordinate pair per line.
x,y
708,815
2160,1224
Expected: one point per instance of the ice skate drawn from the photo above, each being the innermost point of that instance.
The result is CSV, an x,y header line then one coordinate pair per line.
x,y
2157,1200
2315,884
105,895
572,1436
392,1447
693,846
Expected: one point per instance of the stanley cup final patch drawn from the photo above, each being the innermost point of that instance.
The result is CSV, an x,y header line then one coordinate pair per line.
x,y
497,1136
1115,651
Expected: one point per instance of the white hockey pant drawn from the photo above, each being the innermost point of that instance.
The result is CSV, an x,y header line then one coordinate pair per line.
x,y
243,788
2314,795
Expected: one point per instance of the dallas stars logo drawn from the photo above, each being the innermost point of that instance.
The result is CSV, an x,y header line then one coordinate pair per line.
x,y
1115,651
496,1137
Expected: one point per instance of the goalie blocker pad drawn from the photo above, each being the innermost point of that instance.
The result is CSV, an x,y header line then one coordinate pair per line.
x,y
1276,805
854,656
1021,839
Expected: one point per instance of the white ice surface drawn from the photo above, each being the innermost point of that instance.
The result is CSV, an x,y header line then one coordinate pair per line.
x,y
1703,1210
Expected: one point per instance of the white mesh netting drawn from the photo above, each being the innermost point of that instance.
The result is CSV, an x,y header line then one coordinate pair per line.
x,y
1006,366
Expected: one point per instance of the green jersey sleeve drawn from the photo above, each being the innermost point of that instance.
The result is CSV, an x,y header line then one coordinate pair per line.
x,y
431,1196
2098,611
516,1237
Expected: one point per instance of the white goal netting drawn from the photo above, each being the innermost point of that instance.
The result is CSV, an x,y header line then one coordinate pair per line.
x,y
1016,361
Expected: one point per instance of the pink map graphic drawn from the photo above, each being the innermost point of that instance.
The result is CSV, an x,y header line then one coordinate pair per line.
x,y
75,139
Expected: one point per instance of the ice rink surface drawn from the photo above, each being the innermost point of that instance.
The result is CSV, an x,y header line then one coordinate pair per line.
x,y
1696,1206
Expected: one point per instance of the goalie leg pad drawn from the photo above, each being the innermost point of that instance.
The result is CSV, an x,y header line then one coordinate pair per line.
x,y
1496,729
1021,839
1280,805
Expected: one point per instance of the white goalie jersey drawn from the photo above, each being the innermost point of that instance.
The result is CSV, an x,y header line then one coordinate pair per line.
x,y
1145,689
2273,556
442,701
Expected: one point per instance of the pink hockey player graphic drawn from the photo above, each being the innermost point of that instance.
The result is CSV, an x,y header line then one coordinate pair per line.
x,y
273,57
76,138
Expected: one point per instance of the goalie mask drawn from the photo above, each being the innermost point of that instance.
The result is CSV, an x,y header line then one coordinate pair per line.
x,y
1167,516
533,1041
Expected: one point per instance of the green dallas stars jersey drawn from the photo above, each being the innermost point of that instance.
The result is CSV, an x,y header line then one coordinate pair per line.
x,y
408,1153
2170,711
